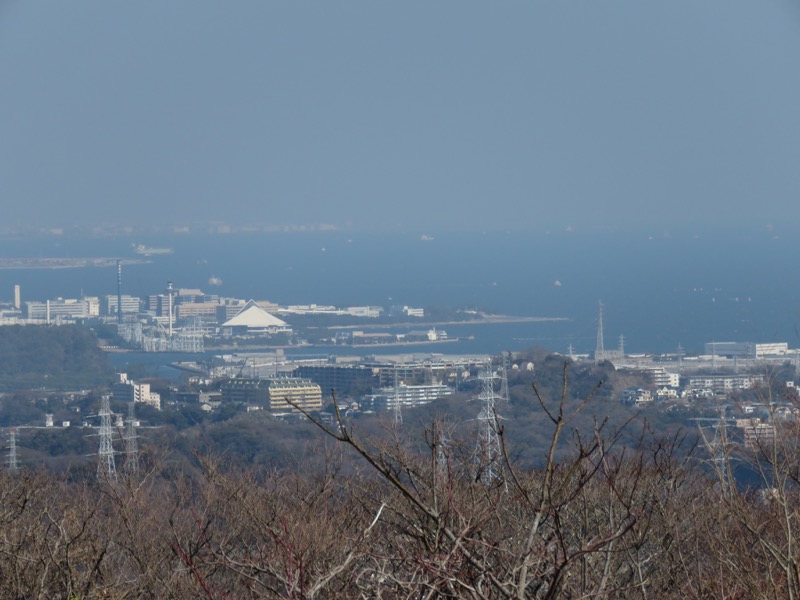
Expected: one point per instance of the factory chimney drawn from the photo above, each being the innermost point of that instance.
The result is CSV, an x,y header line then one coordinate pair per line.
x,y
119,291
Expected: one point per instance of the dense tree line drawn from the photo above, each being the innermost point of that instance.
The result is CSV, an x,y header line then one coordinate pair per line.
x,y
411,513
257,439
53,357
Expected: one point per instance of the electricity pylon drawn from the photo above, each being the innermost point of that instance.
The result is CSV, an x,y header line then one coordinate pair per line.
x,y
106,468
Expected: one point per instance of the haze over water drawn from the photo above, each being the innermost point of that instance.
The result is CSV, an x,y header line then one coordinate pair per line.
x,y
659,291
664,136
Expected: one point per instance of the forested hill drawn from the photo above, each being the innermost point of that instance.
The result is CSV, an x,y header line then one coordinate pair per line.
x,y
64,357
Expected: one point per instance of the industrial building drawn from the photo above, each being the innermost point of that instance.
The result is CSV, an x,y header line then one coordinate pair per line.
x,y
130,304
229,308
750,350
189,310
406,311
59,309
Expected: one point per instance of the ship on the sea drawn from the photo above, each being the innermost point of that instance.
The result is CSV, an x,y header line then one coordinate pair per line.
x,y
150,251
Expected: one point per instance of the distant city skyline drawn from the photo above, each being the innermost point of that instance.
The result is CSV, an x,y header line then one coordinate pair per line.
x,y
446,116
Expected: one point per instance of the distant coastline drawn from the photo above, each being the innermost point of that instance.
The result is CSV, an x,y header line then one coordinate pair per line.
x,y
376,345
733,295
399,343
483,319
65,263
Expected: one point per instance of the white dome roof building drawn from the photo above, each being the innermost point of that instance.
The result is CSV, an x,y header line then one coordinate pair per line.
x,y
254,319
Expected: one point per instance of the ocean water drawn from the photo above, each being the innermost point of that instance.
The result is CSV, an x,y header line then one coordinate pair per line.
x,y
658,290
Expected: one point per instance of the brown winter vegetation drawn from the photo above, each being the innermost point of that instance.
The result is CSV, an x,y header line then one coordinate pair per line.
x,y
387,518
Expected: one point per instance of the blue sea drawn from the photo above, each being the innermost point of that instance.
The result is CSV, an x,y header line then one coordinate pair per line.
x,y
658,290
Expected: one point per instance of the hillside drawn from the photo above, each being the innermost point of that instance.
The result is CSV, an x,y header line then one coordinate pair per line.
x,y
65,357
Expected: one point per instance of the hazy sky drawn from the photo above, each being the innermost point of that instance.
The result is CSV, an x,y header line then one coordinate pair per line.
x,y
447,114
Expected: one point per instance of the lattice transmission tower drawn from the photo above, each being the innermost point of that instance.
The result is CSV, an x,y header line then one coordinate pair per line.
x,y
106,468
489,452
131,445
398,412
13,464
599,349
717,446
504,393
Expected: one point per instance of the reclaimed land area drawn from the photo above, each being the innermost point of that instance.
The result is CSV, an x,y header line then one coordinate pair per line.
x,y
65,263
482,319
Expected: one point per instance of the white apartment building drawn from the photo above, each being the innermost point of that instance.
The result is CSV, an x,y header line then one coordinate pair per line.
x,y
408,395
127,390
724,383
663,378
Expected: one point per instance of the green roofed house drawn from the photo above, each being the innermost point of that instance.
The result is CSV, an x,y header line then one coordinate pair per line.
x,y
274,394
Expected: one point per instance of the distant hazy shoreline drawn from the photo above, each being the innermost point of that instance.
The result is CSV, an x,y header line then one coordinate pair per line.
x,y
65,263
484,319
